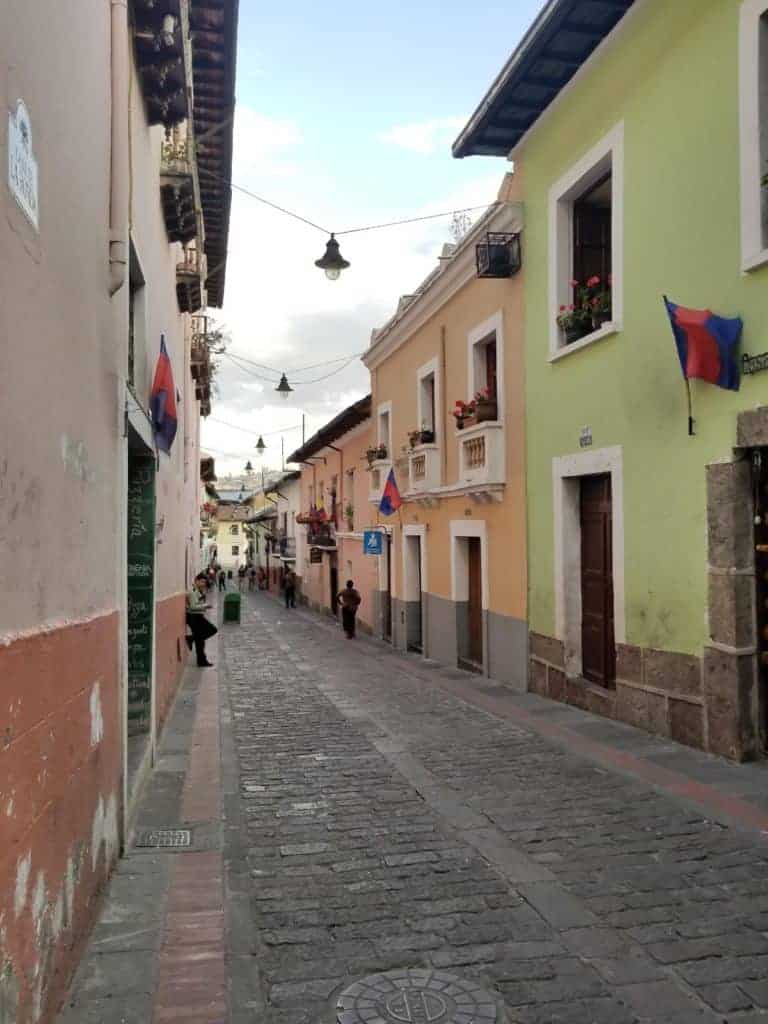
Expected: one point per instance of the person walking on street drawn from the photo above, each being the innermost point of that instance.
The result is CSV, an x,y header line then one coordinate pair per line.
x,y
222,580
200,627
289,588
349,599
241,578
252,577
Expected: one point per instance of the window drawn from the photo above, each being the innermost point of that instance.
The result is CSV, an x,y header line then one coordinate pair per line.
x,y
234,530
427,404
486,361
753,103
235,549
586,231
384,427
137,354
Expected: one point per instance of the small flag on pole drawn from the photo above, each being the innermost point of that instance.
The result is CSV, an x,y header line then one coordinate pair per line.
x,y
706,347
162,401
390,499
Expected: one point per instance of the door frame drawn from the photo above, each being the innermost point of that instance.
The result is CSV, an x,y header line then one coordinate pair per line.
x,y
411,579
567,471
460,530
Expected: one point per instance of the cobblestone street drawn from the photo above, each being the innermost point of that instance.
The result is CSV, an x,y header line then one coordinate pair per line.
x,y
391,824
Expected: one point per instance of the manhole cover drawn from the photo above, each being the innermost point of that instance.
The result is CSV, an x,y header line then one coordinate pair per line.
x,y
415,997
164,838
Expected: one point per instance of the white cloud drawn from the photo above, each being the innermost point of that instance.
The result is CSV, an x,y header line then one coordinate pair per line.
x,y
423,136
281,311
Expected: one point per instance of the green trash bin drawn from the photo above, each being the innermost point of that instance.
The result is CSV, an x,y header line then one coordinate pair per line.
x,y
232,608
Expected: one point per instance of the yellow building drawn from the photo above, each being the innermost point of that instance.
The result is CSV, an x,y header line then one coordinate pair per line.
x,y
452,578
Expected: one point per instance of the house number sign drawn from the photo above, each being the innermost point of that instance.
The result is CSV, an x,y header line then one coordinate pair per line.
x,y
22,166
585,438
754,364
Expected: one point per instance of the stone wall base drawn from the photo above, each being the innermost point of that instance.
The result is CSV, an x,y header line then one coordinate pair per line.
x,y
705,702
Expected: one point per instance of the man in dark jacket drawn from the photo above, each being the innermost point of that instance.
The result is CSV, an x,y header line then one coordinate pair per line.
x,y
349,599
200,628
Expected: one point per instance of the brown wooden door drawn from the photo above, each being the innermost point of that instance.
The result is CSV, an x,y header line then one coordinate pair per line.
x,y
760,491
475,610
597,639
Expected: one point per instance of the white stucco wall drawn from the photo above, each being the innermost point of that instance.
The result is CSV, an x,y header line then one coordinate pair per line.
x,y
59,364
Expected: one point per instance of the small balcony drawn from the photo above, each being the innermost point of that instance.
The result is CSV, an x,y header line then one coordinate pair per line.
x,y
177,185
481,455
379,472
321,535
161,32
423,468
190,273
288,547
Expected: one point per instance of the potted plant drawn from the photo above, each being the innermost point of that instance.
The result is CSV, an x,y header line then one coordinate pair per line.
x,y
572,323
372,454
414,438
381,451
462,413
486,405
599,302
427,436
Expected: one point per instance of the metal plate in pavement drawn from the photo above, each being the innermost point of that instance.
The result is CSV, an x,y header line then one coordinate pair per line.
x,y
164,838
415,996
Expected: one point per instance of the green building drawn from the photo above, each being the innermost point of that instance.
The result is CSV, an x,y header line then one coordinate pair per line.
x,y
640,129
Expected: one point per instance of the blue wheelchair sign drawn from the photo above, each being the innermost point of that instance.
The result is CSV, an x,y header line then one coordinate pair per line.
x,y
373,542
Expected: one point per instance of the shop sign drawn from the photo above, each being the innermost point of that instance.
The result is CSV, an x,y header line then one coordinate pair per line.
x,y
315,555
372,542
22,166
754,364
585,439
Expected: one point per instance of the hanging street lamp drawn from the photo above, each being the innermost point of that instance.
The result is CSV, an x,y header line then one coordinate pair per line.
x,y
260,446
332,262
283,388
248,467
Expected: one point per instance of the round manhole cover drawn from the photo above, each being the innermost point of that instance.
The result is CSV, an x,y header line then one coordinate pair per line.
x,y
415,997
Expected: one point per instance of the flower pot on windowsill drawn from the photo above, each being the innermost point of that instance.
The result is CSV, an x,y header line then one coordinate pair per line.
x,y
486,409
427,437
600,320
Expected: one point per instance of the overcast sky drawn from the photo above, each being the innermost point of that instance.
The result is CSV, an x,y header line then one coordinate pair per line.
x,y
346,114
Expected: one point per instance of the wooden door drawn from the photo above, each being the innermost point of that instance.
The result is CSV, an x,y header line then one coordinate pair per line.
x,y
598,649
475,611
760,490
334,580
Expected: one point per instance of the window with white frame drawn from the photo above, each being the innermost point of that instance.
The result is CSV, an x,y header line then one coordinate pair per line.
x,y
235,549
485,366
234,530
753,73
586,230
384,421
427,387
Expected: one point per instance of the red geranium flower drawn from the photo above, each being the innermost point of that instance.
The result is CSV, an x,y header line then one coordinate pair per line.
x,y
593,282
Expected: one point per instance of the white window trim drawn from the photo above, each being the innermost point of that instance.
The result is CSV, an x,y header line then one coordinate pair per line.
x,y
493,325
461,529
753,253
410,592
566,473
433,367
571,184
384,407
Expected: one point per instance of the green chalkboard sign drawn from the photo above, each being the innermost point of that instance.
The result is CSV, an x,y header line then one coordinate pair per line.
x,y
141,572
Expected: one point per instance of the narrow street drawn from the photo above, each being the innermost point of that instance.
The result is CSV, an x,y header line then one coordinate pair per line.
x,y
375,821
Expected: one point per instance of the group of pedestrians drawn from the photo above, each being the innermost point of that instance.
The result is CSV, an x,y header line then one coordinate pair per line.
x,y
201,628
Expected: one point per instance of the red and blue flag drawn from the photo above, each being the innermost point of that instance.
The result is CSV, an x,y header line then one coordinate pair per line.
x,y
162,401
706,344
390,499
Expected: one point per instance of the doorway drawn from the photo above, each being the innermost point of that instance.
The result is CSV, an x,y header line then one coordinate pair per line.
x,y
386,597
470,610
333,573
413,592
760,491
140,571
598,647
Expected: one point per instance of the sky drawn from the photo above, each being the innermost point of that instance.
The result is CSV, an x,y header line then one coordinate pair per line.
x,y
345,114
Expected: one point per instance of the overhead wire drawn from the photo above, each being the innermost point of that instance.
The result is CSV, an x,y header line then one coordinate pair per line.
x,y
345,231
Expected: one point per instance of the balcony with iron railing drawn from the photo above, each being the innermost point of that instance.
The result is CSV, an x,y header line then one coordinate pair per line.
x,y
321,535
190,274
177,185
